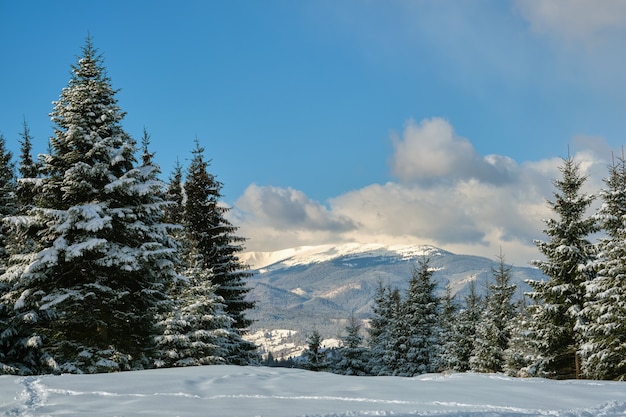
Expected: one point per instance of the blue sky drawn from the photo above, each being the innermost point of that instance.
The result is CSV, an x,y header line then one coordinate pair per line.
x,y
435,121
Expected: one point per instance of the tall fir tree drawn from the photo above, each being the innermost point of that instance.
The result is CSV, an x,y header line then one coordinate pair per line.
x,y
465,325
448,325
559,300
493,332
217,247
102,246
29,171
315,354
381,331
520,357
7,208
604,347
419,324
351,357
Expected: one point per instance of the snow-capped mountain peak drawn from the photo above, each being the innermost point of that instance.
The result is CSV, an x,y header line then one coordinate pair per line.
x,y
306,255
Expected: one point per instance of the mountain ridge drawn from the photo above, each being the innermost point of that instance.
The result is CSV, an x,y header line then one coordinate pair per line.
x,y
319,287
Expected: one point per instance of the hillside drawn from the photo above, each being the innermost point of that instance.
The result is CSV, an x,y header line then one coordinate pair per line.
x,y
318,287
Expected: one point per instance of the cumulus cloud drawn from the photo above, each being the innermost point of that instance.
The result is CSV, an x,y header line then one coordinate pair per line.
x,y
575,19
431,152
463,206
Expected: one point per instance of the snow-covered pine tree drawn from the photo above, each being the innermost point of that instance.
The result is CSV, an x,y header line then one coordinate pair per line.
x,y
493,331
7,199
214,241
29,172
559,300
419,324
381,331
7,208
464,334
604,347
448,325
520,357
351,357
315,354
88,294
195,330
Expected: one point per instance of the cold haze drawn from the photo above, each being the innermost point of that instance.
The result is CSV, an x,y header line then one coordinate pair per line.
x,y
431,122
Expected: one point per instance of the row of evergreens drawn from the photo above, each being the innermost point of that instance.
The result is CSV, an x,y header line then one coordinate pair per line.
x,y
103,266
570,325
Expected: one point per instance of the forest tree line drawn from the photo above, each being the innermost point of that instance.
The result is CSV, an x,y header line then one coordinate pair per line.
x,y
570,325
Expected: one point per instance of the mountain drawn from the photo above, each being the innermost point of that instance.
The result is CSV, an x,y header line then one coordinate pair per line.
x,y
319,287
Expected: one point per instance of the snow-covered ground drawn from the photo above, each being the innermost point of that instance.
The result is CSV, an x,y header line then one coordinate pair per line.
x,y
224,391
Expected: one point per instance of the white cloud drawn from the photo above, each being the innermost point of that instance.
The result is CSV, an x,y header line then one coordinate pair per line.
x,y
459,206
575,19
431,152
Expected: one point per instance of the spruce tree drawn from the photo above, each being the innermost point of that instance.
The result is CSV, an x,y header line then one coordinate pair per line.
x,y
419,324
493,332
29,172
351,357
7,208
604,348
559,300
384,331
380,330
520,357
87,295
7,199
448,325
465,326
216,247
315,355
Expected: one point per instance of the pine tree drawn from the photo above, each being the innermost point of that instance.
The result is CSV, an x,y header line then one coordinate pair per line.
x,y
315,355
559,300
493,332
102,247
448,325
520,357
7,208
7,199
29,172
604,349
382,331
351,357
419,324
214,241
465,327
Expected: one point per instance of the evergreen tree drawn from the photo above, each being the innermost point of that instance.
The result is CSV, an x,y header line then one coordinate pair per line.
x,y
559,300
448,330
7,199
419,324
465,327
493,332
604,350
29,172
378,325
520,357
7,208
214,241
316,358
102,247
351,357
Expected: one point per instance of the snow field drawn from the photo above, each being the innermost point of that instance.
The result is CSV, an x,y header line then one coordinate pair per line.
x,y
229,391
